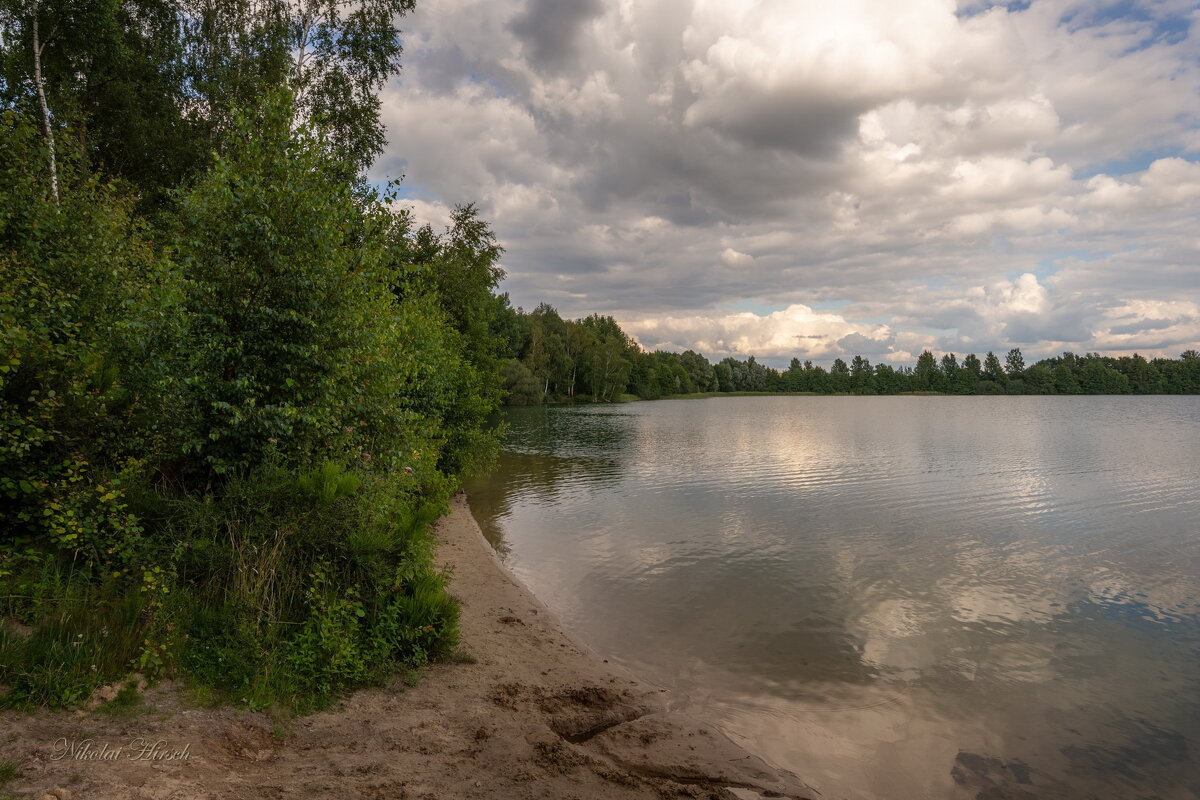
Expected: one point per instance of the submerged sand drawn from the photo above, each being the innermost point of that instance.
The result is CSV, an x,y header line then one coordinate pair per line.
x,y
528,713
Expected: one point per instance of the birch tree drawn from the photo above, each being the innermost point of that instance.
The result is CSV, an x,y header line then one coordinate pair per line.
x,y
21,32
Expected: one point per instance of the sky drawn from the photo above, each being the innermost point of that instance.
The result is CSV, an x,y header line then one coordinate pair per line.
x,y
817,179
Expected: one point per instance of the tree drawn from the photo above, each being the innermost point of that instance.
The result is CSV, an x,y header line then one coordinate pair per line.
x,y
1014,363
972,365
296,340
88,322
258,409
38,46
1065,381
700,370
460,267
1187,376
757,376
723,375
553,355
151,87
334,56
520,386
508,329
1096,377
862,377
816,379
992,370
927,373
643,377
839,376
794,379
1144,377
961,378
111,74
606,359
1039,379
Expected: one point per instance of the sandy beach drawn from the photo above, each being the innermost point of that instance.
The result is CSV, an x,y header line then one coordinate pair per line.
x,y
523,712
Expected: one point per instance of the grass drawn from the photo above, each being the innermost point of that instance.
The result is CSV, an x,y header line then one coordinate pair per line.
x,y
461,656
8,771
285,592
81,638
128,703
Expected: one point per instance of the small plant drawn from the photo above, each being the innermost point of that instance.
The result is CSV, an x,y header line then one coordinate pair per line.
x,y
461,656
128,702
329,482
8,771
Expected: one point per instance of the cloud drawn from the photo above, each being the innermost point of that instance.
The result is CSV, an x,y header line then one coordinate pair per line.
x,y
549,29
797,331
735,258
857,344
961,177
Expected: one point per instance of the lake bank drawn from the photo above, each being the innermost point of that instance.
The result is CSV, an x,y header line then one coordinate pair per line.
x,y
525,712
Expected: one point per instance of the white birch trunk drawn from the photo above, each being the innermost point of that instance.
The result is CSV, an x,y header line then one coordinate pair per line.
x,y
38,45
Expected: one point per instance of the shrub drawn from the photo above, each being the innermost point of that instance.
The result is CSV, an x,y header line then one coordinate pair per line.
x,y
223,464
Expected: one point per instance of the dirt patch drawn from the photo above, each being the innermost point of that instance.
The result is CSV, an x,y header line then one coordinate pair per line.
x,y
249,741
598,698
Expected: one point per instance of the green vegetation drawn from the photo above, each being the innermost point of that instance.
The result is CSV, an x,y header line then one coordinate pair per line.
x,y
127,703
236,384
550,359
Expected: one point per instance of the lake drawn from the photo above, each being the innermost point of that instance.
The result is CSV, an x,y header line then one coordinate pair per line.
x,y
894,597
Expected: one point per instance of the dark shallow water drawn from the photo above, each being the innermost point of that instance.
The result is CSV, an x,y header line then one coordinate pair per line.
x,y
895,597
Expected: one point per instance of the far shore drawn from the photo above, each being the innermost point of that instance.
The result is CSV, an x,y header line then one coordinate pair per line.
x,y
523,711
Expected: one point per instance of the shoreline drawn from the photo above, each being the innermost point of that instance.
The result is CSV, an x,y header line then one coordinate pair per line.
x,y
524,711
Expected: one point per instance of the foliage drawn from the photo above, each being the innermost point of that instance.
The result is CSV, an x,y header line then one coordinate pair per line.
x,y
147,89
293,341
520,385
85,321
454,275
334,56
113,73
295,588
224,440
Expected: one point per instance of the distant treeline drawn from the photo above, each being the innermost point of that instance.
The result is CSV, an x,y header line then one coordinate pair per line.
x,y
549,358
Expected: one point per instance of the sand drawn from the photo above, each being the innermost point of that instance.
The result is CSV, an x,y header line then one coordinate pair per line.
x,y
536,715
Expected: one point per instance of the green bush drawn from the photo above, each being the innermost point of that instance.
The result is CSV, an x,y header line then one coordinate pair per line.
x,y
85,321
223,441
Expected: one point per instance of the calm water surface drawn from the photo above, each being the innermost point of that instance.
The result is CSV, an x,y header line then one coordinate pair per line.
x,y
925,597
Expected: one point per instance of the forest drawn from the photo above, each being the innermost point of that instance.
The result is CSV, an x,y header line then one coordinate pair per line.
x,y
237,382
549,359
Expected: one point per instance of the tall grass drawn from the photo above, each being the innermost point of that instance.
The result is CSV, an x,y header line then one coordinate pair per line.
x,y
286,590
